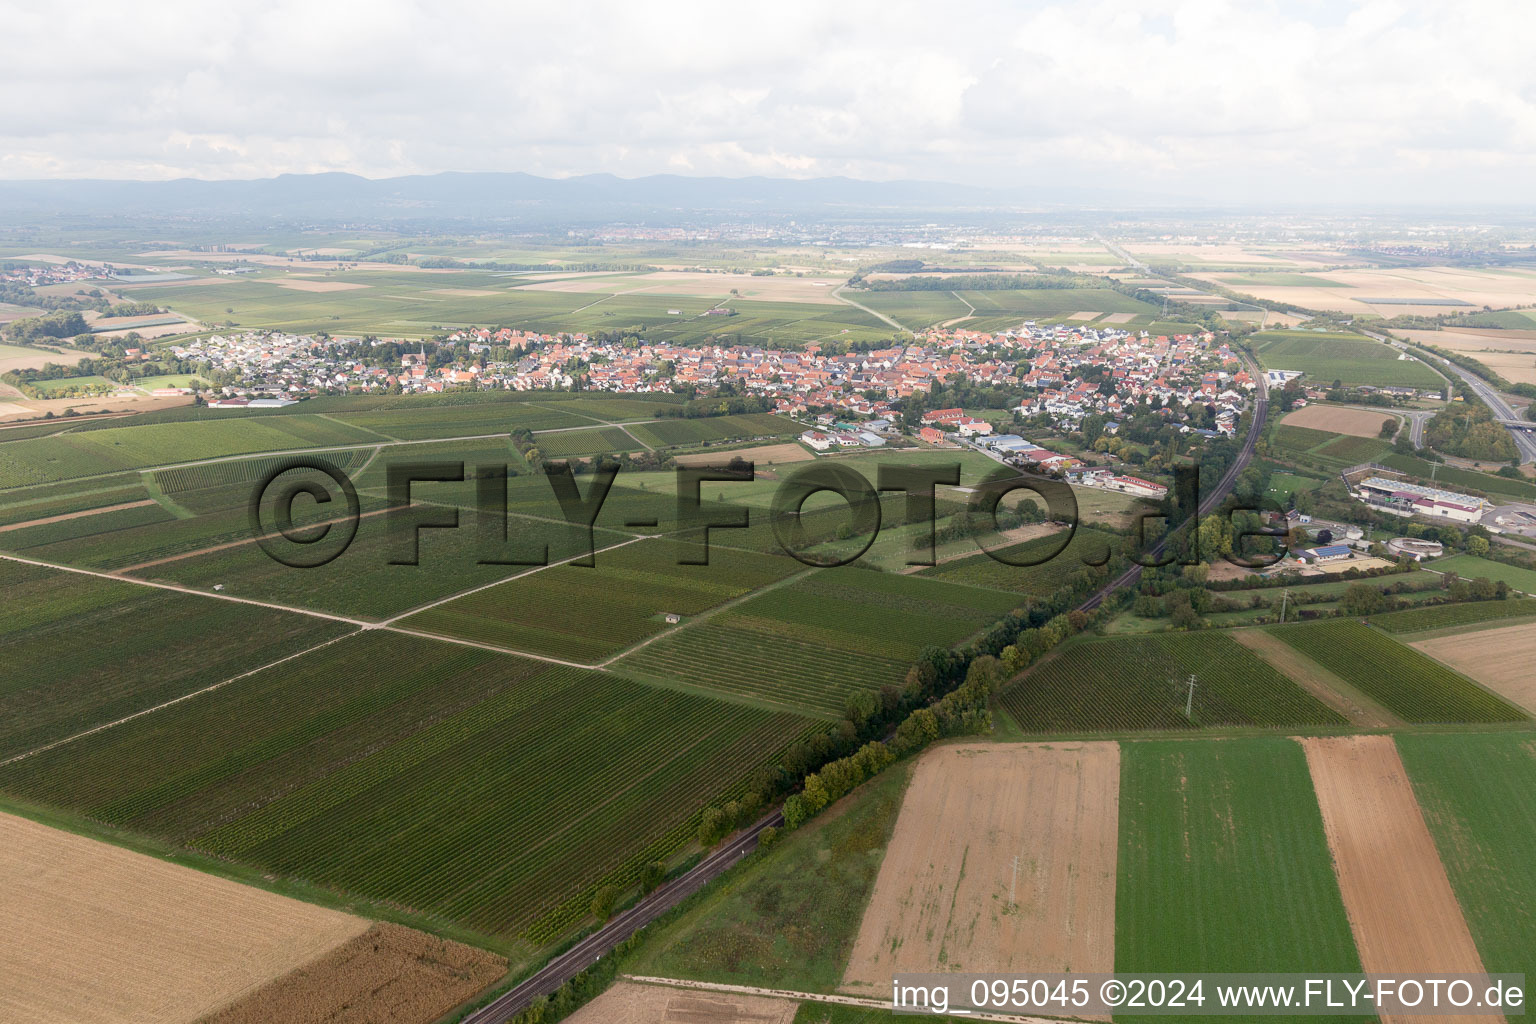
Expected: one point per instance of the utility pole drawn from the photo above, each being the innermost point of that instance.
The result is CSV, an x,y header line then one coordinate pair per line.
x,y
1285,600
1189,702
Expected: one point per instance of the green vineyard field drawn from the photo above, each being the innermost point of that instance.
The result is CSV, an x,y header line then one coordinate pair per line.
x,y
466,786
1127,684
1407,683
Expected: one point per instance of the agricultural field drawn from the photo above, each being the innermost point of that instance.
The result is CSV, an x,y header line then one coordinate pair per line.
x,y
811,643
1391,291
668,433
1003,860
1349,358
1087,546
1509,353
81,651
1401,679
1472,568
27,505
1478,794
564,444
364,582
355,780
787,918
1448,616
1339,420
588,613
1402,910
442,421
386,973
1223,862
915,310
82,453
1138,683
627,1001
140,939
1499,658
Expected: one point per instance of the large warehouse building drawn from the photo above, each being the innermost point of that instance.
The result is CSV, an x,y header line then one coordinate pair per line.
x,y
1405,499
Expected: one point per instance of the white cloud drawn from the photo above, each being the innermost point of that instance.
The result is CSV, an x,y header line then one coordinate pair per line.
x,y
1379,99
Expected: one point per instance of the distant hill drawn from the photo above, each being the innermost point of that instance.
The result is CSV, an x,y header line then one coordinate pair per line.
x,y
525,198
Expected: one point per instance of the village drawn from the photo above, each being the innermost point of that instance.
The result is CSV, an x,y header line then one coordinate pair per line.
x,y
1061,374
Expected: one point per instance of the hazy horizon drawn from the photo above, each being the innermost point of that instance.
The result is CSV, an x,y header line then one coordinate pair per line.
x,y
1385,101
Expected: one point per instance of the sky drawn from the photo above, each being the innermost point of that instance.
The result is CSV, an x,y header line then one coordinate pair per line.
x,y
1295,101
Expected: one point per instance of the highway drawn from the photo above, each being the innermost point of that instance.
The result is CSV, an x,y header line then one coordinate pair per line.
x,y
1210,501
621,926
1525,442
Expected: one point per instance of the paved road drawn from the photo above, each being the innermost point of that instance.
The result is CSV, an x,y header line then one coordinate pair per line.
x,y
595,946
1525,443
1210,501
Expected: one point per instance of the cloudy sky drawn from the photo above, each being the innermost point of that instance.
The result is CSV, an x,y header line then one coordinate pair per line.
x,y
1301,100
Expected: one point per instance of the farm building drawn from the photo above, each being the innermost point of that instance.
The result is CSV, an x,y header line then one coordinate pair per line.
x,y
1135,485
1330,553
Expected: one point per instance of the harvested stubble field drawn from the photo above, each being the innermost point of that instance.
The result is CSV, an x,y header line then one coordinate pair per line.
x,y
1511,354
948,899
1135,683
1339,420
631,1003
1223,861
480,789
1402,910
135,939
388,973
1394,675
1501,659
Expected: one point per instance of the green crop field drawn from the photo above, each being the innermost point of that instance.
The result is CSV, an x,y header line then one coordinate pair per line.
x,y
1411,686
408,424
28,504
670,432
1349,358
589,613
90,452
1352,450
1223,862
81,651
562,444
1471,567
788,918
61,534
1039,302
812,642
915,310
362,582
1417,620
1135,683
215,475
982,570
1301,439
470,787
1478,793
